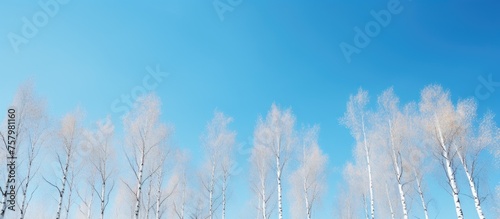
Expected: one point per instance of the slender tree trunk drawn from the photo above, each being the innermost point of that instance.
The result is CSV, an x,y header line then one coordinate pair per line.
x,y
211,191
263,193
278,174
4,200
183,202
453,184
399,173
365,207
224,196
61,192
158,205
306,200
421,194
477,202
26,185
158,195
148,203
367,151
89,209
180,213
389,201
103,197
139,187
450,173
70,193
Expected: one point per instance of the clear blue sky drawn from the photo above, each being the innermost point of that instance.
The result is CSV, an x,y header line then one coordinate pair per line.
x,y
92,52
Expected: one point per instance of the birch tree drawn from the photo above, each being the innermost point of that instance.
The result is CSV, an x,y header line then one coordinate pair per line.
x,y
261,162
417,157
227,164
100,141
276,133
309,180
354,175
354,119
72,185
472,143
442,128
162,191
69,139
31,126
182,192
31,111
87,196
218,142
144,134
393,125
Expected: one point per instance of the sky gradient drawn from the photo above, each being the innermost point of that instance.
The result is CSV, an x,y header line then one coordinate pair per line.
x,y
90,54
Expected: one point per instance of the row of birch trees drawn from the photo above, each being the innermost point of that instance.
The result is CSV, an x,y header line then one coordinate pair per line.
x,y
73,168
79,169
399,146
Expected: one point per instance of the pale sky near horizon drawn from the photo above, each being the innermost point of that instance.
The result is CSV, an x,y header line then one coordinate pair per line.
x,y
89,54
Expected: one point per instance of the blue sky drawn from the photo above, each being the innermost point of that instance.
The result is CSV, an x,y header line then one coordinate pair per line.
x,y
90,53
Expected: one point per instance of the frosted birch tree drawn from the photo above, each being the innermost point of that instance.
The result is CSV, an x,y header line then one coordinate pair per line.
x,y
86,195
417,158
72,185
144,135
469,146
442,128
354,118
218,142
261,161
101,144
227,164
30,135
393,125
182,192
161,191
32,116
276,133
354,175
69,138
309,180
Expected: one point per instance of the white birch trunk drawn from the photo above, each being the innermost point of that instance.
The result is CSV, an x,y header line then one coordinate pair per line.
x,y
158,199
103,193
399,174
263,193
365,207
61,193
139,187
148,203
4,200
306,199
453,184
421,194
450,173
26,185
224,197
389,201
367,151
89,209
211,191
278,175
477,202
